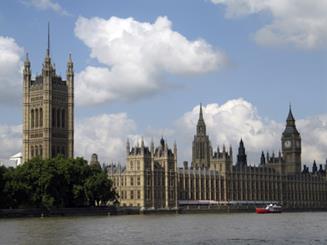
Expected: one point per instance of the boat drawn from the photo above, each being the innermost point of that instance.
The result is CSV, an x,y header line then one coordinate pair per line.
x,y
269,209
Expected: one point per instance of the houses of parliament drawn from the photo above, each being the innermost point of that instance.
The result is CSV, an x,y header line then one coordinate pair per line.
x,y
152,178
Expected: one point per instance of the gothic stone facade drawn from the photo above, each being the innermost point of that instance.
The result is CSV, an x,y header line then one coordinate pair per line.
x,y
152,180
150,177
48,111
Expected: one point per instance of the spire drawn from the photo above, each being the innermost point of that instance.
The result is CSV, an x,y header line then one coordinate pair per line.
x,y
48,49
70,60
290,124
262,159
127,147
290,114
201,126
201,114
27,62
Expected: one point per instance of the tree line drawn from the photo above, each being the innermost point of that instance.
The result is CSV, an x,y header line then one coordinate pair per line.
x,y
55,183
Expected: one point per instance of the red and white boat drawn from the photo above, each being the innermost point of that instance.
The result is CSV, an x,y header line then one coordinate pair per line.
x,y
269,209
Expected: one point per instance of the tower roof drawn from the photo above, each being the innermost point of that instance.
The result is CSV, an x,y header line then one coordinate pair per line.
x,y
290,124
290,115
201,126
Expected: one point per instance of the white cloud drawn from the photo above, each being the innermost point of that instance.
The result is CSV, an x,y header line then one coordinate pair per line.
x,y
10,70
10,141
47,4
228,122
136,56
314,138
231,121
302,23
105,135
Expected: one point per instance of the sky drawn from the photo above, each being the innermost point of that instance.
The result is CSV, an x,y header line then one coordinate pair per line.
x,y
143,67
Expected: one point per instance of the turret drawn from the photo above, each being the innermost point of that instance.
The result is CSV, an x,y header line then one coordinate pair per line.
x,y
152,147
128,147
314,167
262,159
241,156
70,112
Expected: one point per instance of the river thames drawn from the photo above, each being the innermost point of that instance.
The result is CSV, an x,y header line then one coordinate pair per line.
x,y
241,228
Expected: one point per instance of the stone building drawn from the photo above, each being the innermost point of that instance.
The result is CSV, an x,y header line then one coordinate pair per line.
x,y
151,181
48,111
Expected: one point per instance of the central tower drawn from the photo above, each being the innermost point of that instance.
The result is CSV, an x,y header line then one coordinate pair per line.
x,y
201,149
48,111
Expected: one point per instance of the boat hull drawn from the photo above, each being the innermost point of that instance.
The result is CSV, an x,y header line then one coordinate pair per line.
x,y
266,211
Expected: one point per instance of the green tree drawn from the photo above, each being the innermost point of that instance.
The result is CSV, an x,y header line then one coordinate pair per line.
x,y
98,189
56,182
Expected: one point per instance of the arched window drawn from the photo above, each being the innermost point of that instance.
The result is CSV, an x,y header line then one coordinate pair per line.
x,y
53,117
36,151
58,118
63,151
41,117
36,121
40,151
63,118
53,151
32,118
32,151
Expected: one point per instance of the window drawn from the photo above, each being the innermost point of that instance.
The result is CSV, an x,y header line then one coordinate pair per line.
x,y
32,151
131,165
132,195
36,151
36,121
138,180
40,150
63,151
32,118
53,151
63,118
41,117
138,165
58,118
138,194
53,117
132,181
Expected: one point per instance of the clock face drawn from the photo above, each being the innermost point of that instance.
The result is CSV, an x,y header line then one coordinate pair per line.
x,y
287,143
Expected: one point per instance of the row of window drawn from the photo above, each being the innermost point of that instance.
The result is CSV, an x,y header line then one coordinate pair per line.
x,y
36,151
130,194
58,118
136,165
58,150
36,117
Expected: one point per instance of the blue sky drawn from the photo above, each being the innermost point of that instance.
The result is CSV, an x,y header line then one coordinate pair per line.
x,y
267,70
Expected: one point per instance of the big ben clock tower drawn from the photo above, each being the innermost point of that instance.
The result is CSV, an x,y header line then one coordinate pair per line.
x,y
291,146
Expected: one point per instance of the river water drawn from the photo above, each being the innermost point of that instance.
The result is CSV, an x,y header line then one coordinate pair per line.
x,y
243,228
